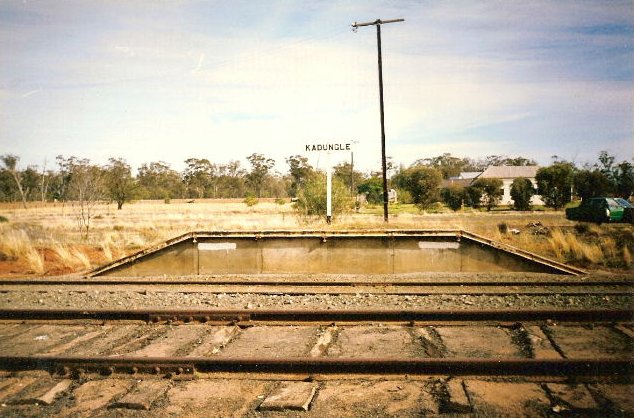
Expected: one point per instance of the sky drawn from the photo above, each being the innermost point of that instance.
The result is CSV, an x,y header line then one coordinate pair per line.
x,y
151,80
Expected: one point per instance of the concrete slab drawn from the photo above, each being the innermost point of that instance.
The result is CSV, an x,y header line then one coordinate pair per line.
x,y
143,395
505,399
363,398
540,344
221,398
324,341
272,342
457,401
41,393
583,342
483,342
375,341
77,342
620,396
94,395
41,339
11,386
139,338
572,397
175,339
214,340
113,337
430,341
290,396
625,330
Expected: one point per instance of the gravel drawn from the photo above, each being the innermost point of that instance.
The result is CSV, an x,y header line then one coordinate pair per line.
x,y
136,300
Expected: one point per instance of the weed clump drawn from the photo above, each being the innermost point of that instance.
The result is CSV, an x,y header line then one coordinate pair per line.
x,y
251,201
15,244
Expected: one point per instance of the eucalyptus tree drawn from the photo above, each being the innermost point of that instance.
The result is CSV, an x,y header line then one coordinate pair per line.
x,y
260,168
119,182
10,162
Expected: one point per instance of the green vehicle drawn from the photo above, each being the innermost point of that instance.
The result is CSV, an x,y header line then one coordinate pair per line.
x,y
602,209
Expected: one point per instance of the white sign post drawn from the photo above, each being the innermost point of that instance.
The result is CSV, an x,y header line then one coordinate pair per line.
x,y
328,189
328,148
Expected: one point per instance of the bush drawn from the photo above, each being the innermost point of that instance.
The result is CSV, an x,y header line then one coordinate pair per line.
x,y
554,184
491,191
522,191
251,200
404,196
311,197
373,190
422,183
3,219
453,196
473,196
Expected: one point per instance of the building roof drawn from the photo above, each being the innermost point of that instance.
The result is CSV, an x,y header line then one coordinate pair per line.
x,y
469,174
509,171
455,182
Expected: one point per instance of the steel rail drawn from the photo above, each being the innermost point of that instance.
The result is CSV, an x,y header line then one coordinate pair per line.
x,y
317,282
380,289
232,316
65,365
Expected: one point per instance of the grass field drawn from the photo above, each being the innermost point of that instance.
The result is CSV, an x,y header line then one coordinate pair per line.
x,y
45,239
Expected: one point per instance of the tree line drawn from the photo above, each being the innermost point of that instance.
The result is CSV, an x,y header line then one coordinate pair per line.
x,y
78,179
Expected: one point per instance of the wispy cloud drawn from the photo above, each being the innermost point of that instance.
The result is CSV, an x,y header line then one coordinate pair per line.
x,y
31,93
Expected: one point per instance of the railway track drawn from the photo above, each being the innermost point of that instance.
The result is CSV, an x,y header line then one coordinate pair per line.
x,y
456,360
251,362
535,286
321,360
417,329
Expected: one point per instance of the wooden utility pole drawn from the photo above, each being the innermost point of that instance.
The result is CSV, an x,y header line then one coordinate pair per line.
x,y
378,24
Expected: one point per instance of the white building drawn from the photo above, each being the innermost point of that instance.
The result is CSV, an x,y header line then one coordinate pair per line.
x,y
508,173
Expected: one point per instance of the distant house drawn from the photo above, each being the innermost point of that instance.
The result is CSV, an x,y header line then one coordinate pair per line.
x,y
508,173
464,179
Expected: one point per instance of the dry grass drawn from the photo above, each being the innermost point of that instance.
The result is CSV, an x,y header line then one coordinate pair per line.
x,y
116,233
594,246
82,258
17,245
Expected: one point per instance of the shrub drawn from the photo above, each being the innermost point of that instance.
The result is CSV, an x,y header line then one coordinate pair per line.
x,y
422,183
473,196
491,191
3,219
453,196
373,190
554,184
251,200
311,198
522,191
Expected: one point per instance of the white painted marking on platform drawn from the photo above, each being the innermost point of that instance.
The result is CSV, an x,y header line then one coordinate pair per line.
x,y
438,245
216,246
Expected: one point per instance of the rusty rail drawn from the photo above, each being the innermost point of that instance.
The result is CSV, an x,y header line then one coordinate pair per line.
x,y
304,365
233,316
125,281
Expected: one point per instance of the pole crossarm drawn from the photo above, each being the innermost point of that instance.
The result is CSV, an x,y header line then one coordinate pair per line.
x,y
376,22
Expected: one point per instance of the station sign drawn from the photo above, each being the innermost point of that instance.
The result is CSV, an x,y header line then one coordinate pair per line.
x,y
329,147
